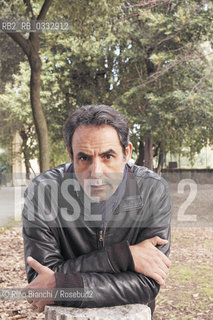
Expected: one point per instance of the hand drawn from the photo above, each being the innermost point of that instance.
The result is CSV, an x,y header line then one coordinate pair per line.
x,y
44,280
149,260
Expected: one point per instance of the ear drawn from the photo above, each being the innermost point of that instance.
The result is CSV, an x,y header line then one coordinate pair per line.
x,y
68,150
128,151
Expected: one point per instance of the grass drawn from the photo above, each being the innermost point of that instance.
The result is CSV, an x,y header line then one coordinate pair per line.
x,y
189,292
182,273
2,229
10,224
208,243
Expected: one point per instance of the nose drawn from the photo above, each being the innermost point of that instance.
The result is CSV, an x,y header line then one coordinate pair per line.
x,y
96,168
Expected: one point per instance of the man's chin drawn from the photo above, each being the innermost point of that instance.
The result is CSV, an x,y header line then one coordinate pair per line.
x,y
99,193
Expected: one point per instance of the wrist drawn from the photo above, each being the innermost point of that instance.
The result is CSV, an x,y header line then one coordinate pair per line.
x,y
52,280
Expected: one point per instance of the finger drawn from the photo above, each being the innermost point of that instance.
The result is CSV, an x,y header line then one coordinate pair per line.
x,y
29,301
35,304
164,268
35,264
34,307
161,265
158,279
24,292
158,241
38,305
165,259
161,273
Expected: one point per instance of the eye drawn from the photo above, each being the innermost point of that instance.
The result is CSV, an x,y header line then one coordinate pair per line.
x,y
83,158
108,156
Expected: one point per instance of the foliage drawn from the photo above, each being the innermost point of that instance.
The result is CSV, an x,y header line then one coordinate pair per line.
x,y
10,55
151,60
164,76
72,68
16,102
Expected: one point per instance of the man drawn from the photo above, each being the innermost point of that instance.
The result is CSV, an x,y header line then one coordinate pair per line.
x,y
98,223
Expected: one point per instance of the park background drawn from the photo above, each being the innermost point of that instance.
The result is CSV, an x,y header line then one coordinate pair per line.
x,y
151,60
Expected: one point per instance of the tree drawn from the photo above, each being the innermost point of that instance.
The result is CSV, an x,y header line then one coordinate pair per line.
x,y
145,58
84,39
30,47
159,63
11,55
16,118
73,70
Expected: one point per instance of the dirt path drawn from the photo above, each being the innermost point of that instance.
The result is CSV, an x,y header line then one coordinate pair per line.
x,y
188,294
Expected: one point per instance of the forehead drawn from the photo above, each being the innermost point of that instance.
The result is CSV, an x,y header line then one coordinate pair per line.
x,y
91,137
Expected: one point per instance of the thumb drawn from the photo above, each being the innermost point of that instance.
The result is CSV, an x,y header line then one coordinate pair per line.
x,y
159,241
35,264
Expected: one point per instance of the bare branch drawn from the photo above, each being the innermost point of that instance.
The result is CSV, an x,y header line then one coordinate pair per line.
x,y
34,36
44,9
150,3
29,8
156,75
196,7
198,84
140,74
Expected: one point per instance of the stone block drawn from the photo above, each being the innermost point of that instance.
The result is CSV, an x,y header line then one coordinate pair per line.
x,y
126,312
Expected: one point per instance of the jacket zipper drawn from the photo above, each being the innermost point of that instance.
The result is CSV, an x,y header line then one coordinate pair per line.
x,y
101,238
101,244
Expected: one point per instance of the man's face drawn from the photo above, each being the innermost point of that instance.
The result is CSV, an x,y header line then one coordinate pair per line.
x,y
98,160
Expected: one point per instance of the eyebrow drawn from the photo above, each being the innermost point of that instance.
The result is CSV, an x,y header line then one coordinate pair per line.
x,y
107,152
83,154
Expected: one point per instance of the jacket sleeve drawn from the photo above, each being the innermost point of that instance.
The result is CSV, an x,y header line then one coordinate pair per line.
x,y
41,241
128,287
108,288
41,245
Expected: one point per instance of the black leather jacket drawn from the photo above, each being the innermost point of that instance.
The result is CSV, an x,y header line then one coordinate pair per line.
x,y
59,233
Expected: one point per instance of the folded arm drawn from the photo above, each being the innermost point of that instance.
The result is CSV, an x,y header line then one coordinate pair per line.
x,y
94,271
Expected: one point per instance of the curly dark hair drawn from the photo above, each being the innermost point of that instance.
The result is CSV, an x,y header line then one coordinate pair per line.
x,y
96,115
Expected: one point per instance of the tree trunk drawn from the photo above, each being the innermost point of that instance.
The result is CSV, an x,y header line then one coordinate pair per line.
x,y
160,161
31,49
148,152
37,111
140,159
150,67
24,137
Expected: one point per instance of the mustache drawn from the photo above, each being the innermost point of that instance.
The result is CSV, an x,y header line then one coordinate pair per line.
x,y
95,182
102,181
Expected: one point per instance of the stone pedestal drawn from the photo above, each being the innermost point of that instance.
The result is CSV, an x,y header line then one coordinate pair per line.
x,y
126,312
